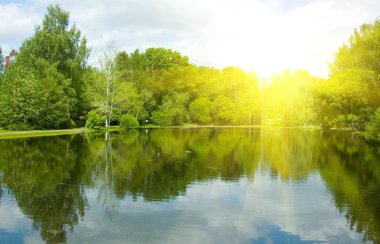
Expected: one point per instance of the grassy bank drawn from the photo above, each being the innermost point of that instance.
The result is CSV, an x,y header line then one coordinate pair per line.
x,y
5,134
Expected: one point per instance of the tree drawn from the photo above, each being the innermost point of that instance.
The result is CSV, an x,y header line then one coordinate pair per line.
x,y
29,103
19,99
289,99
247,98
57,43
223,111
173,110
200,110
354,83
207,83
154,74
107,64
373,129
44,88
360,57
137,104
109,91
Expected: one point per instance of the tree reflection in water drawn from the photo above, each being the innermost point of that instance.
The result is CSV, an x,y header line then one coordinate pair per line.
x,y
44,175
48,176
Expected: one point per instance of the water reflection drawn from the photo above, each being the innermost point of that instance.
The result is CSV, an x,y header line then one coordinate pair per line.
x,y
52,178
44,177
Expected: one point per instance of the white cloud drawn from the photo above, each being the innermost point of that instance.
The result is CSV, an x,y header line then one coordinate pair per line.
x,y
16,23
267,36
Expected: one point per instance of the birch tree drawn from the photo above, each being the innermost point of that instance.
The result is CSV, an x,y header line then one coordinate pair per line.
x,y
111,91
107,65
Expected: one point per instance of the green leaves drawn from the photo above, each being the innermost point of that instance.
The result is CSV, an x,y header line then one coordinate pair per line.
x,y
29,103
162,74
58,44
353,89
200,110
223,111
19,99
45,87
173,110
127,121
95,120
373,129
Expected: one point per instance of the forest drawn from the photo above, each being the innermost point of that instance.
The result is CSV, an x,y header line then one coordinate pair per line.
x,y
52,86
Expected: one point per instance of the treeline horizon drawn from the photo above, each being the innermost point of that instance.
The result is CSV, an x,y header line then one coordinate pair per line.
x,y
51,86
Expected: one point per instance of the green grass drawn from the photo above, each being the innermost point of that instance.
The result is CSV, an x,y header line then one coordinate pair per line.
x,y
5,134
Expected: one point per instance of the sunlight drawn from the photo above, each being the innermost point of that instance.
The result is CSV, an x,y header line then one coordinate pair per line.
x,y
269,41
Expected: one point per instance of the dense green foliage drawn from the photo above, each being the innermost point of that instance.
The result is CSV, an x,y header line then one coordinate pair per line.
x,y
19,100
95,120
29,103
172,111
352,93
166,85
56,43
127,121
200,110
44,88
373,128
289,100
223,111
161,86
177,92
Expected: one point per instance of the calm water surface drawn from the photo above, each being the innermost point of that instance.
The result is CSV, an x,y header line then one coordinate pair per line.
x,y
225,185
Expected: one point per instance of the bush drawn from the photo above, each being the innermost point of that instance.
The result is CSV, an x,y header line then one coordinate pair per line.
x,y
19,127
95,121
373,129
68,124
127,121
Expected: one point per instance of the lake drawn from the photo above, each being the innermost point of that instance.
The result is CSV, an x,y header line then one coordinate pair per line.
x,y
204,185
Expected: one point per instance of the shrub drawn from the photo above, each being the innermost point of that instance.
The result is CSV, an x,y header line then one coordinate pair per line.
x,y
68,124
95,121
373,129
127,121
19,127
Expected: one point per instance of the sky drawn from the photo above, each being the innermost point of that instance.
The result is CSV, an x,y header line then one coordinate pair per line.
x,y
265,36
